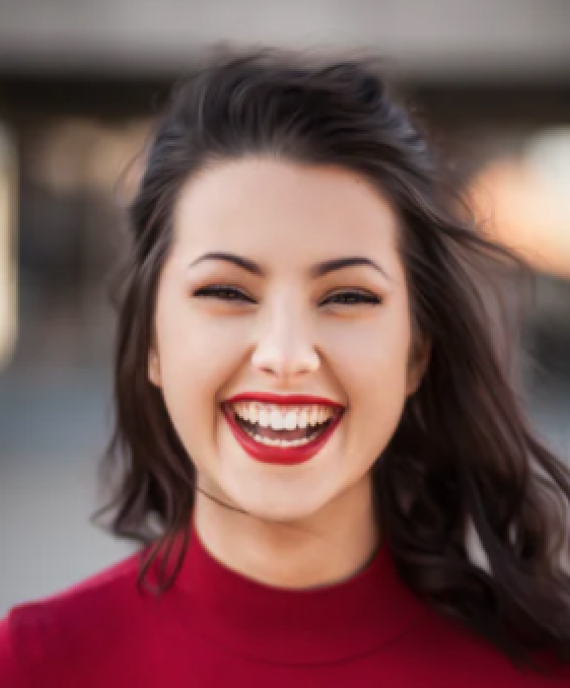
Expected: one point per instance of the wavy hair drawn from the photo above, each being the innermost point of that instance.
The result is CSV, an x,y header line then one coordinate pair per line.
x,y
474,507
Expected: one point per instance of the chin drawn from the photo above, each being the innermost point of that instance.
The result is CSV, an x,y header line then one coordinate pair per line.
x,y
287,508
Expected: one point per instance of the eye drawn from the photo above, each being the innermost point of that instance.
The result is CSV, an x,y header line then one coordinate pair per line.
x,y
223,293
353,298
343,298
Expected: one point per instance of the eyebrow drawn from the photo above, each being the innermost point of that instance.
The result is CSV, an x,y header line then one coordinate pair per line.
x,y
317,270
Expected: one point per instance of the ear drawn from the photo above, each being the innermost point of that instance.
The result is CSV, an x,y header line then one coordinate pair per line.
x,y
153,370
419,361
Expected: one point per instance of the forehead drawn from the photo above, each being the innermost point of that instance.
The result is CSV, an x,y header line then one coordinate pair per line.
x,y
283,211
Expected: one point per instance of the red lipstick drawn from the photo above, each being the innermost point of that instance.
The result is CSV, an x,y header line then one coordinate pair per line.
x,y
268,398
287,456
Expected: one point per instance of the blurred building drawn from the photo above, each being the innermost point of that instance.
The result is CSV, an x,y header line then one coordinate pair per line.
x,y
79,84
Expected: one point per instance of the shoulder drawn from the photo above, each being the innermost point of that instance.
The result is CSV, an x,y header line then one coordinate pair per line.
x,y
66,627
469,660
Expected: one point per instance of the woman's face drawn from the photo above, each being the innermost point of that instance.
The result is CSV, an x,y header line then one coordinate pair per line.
x,y
285,331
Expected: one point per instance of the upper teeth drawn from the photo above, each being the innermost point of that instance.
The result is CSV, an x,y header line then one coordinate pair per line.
x,y
279,417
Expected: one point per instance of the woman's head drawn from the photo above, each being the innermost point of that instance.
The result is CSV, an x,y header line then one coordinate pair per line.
x,y
288,162
286,331
286,166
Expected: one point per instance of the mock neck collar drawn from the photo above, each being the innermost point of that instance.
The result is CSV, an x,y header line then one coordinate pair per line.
x,y
314,626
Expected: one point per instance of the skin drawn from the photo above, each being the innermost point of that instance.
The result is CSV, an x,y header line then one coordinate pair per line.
x,y
311,524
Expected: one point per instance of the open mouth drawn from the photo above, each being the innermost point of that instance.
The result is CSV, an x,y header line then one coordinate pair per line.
x,y
271,437
282,446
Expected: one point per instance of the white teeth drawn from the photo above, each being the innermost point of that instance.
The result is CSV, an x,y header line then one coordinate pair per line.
x,y
290,420
281,442
283,418
276,420
263,418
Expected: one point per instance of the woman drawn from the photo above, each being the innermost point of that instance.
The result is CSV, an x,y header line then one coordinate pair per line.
x,y
320,444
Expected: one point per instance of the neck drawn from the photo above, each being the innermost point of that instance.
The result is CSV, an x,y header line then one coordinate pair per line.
x,y
325,548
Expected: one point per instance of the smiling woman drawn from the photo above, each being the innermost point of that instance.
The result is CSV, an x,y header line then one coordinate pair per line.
x,y
287,320
318,441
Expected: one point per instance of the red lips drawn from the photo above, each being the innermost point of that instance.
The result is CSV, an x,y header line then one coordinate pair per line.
x,y
291,399
287,456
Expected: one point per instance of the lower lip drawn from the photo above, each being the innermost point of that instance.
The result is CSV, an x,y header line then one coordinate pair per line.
x,y
287,456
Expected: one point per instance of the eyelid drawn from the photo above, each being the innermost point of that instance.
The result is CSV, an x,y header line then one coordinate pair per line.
x,y
370,297
354,290
208,288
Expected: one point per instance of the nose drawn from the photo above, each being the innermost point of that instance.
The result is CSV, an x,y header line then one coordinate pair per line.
x,y
284,344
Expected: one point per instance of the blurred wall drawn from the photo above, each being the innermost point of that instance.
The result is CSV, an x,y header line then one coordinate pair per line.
x,y
489,38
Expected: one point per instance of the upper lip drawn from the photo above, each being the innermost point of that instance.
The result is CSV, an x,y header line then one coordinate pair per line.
x,y
268,398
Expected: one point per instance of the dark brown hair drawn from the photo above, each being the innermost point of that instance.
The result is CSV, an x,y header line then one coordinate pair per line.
x,y
463,461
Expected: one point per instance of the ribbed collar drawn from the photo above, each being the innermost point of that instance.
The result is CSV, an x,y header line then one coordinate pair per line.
x,y
299,627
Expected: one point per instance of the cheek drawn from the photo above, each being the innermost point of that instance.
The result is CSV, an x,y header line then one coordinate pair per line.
x,y
377,383
375,374
375,358
196,358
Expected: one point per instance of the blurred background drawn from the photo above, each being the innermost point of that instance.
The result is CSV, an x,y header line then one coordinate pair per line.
x,y
80,82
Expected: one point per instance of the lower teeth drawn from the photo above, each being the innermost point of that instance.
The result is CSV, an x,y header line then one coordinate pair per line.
x,y
282,443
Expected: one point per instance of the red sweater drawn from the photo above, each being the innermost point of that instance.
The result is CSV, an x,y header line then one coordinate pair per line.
x,y
215,628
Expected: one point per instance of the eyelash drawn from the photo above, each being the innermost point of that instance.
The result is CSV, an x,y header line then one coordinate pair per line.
x,y
214,291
